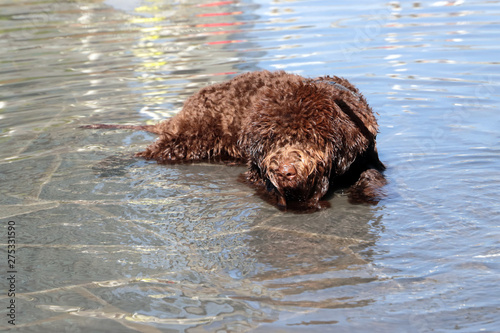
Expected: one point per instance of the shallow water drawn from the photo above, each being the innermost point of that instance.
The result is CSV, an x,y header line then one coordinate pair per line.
x,y
109,243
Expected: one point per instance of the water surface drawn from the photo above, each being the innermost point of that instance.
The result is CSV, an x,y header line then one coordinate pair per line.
x,y
109,243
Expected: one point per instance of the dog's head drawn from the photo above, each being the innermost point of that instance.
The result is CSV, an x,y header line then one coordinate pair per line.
x,y
289,139
295,173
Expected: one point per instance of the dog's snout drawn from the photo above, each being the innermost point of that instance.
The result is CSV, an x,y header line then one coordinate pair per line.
x,y
287,171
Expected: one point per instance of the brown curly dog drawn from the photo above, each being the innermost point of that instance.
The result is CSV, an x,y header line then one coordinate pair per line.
x,y
298,136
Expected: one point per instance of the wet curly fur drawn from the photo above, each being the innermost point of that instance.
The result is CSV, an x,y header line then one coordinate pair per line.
x,y
298,136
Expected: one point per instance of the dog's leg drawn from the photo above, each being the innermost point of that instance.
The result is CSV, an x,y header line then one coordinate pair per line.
x,y
368,187
147,128
185,138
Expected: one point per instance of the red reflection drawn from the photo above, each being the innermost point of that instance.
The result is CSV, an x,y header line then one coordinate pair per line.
x,y
224,73
218,14
209,25
225,42
218,3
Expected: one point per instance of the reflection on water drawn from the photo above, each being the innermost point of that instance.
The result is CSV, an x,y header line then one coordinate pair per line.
x,y
109,243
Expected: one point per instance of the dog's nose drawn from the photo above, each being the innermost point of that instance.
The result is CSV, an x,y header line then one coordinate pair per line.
x,y
287,171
